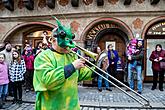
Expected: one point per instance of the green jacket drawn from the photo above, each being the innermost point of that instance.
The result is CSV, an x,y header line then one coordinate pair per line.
x,y
53,91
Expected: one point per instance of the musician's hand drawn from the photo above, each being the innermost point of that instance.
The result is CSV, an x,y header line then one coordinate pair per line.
x,y
79,63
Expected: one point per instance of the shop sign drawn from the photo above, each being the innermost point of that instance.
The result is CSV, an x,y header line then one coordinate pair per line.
x,y
158,29
99,27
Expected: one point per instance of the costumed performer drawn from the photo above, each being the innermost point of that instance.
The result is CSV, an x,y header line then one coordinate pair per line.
x,y
57,73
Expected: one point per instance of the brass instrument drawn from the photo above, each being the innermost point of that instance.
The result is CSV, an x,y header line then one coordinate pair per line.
x,y
89,53
93,55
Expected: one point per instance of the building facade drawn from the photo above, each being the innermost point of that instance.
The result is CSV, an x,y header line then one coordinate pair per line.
x,y
95,23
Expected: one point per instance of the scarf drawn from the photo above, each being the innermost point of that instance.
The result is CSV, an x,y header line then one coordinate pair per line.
x,y
112,54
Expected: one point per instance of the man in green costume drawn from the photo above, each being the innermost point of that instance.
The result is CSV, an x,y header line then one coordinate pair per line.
x,y
57,72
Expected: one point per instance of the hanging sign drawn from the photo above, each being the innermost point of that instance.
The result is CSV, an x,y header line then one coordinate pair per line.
x,y
97,28
158,29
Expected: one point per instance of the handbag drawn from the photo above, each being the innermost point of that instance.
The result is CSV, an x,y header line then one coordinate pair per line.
x,y
162,65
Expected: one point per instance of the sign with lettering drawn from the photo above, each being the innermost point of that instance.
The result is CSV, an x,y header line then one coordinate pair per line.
x,y
158,29
99,27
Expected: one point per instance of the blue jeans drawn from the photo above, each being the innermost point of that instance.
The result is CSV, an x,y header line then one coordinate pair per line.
x,y
3,90
131,78
134,64
105,81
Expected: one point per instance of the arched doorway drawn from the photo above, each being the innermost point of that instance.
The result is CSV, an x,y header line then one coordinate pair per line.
x,y
115,36
23,33
103,31
154,33
107,30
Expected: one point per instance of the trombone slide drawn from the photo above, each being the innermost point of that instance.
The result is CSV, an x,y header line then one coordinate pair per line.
x,y
147,104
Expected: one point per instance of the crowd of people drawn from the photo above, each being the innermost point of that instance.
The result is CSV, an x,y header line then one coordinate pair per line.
x,y
17,67
54,72
135,65
16,70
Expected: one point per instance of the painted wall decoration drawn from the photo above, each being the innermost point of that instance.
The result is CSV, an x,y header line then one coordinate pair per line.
x,y
113,2
87,2
2,28
42,3
140,1
137,24
63,2
74,25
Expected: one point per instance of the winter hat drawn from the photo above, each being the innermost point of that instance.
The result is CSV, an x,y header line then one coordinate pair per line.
x,y
28,49
133,41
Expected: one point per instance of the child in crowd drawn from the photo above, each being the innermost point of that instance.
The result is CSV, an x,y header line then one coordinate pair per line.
x,y
29,62
17,69
3,79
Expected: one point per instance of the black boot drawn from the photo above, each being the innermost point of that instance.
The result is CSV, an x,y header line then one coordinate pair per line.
x,y
161,88
20,101
153,88
14,101
3,98
1,104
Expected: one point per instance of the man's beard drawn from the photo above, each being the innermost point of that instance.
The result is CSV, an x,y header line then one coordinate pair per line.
x,y
8,50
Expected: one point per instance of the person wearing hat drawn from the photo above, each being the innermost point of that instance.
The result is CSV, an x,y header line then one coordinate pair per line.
x,y
135,63
57,73
132,50
28,57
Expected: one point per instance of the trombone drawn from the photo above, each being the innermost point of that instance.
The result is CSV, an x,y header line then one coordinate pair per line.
x,y
93,55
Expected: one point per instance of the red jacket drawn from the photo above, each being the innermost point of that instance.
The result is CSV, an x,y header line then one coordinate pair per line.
x,y
29,61
155,55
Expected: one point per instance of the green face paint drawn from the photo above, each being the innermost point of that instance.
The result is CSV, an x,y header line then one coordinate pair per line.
x,y
64,35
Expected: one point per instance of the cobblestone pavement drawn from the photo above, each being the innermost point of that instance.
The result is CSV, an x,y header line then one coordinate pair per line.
x,y
91,99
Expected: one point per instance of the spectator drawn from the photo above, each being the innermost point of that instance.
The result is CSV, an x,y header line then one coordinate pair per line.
x,y
2,46
113,59
3,79
44,46
17,69
138,58
132,50
38,48
29,61
18,48
101,63
8,54
156,56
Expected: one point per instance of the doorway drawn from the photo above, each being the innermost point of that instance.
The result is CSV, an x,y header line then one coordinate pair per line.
x,y
115,36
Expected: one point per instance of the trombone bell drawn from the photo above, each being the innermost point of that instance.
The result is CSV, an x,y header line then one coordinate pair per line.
x,y
89,53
